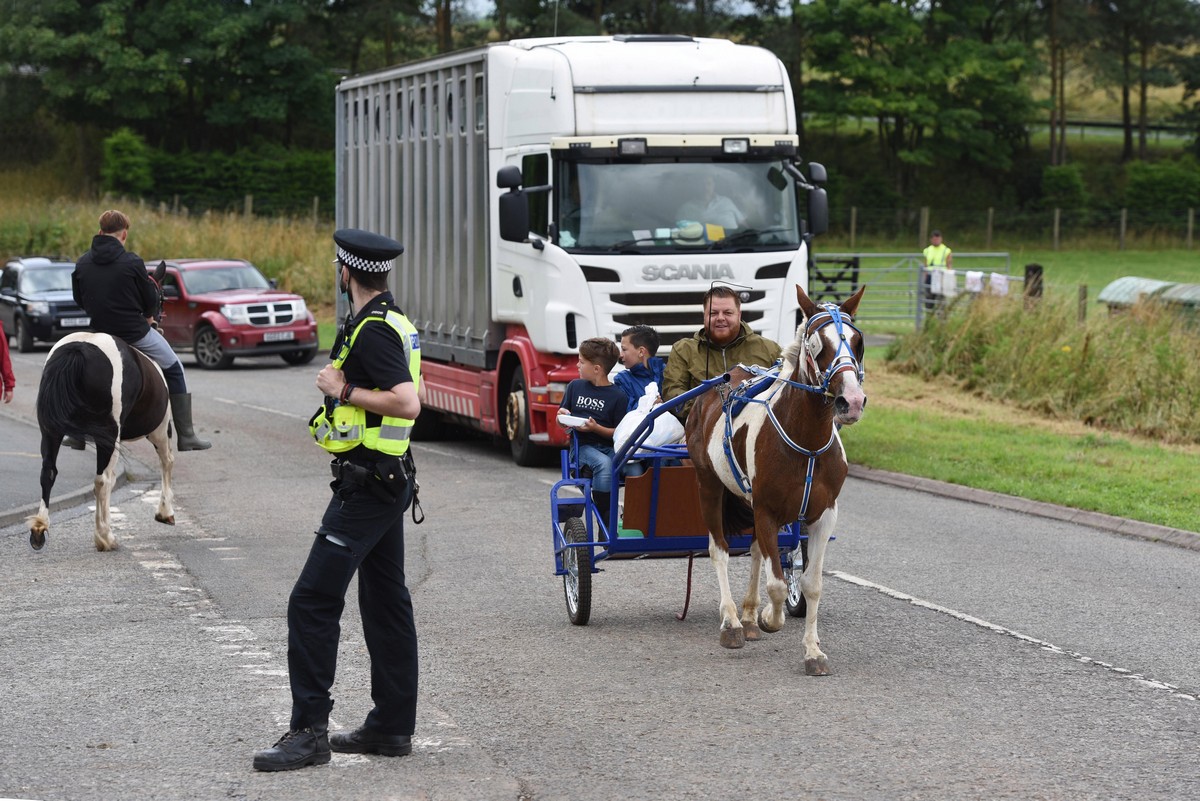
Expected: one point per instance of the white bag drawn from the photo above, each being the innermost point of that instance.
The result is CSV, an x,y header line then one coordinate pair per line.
x,y
667,428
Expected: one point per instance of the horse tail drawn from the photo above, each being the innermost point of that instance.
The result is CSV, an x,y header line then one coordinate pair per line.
x,y
736,514
64,402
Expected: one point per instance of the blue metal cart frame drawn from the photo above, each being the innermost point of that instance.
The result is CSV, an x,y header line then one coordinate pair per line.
x,y
584,535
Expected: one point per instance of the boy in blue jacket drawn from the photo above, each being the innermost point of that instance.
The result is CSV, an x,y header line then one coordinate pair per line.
x,y
639,344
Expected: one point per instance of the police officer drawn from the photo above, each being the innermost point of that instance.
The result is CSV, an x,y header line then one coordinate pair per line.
x,y
371,403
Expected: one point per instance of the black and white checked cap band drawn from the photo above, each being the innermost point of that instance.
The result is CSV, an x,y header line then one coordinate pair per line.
x,y
350,260
365,250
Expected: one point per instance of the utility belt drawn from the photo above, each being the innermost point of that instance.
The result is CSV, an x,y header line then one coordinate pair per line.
x,y
391,479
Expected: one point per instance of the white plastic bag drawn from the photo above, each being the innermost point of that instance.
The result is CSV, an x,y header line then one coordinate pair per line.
x,y
667,428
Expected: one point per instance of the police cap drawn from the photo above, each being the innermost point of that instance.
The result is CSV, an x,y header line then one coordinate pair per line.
x,y
367,251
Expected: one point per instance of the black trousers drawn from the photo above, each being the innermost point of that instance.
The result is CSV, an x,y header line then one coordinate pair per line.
x,y
358,533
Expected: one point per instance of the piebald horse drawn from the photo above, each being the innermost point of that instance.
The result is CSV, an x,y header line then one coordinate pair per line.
x,y
779,460
97,386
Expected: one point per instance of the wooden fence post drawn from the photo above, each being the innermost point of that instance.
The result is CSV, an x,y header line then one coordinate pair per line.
x,y
991,218
1124,223
1057,222
1082,313
317,206
923,234
853,225
1191,226
248,211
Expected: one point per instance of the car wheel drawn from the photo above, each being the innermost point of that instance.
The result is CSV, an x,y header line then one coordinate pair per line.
x,y
296,357
24,336
208,351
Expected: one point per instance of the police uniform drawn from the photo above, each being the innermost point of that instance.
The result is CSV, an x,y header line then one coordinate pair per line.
x,y
361,531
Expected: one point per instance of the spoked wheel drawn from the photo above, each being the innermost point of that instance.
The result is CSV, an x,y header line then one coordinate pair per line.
x,y
208,351
577,583
796,605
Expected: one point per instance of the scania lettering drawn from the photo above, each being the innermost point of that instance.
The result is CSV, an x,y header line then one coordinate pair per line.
x,y
551,190
677,272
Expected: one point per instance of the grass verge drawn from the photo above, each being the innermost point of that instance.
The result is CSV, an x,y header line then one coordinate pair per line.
x,y
933,429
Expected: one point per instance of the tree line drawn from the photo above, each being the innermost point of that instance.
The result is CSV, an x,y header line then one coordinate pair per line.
x,y
942,84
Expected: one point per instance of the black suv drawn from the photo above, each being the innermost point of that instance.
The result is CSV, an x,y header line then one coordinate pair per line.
x,y
36,303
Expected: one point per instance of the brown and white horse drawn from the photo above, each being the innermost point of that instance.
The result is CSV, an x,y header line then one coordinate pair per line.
x,y
779,460
97,386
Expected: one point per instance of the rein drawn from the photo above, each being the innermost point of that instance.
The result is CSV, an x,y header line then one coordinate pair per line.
x,y
843,360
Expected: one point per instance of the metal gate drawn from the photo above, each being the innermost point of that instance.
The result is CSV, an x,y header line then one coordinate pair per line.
x,y
898,296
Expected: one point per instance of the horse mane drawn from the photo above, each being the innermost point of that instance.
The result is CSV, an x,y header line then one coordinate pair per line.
x,y
791,352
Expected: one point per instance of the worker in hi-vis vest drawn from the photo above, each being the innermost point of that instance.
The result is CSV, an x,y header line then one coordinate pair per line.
x,y
939,257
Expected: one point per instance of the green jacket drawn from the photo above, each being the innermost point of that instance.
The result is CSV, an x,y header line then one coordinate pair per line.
x,y
697,359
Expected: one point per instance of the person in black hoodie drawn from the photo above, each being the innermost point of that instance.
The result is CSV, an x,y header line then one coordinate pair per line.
x,y
111,284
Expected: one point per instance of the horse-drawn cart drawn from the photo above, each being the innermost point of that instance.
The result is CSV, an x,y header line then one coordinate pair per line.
x,y
660,517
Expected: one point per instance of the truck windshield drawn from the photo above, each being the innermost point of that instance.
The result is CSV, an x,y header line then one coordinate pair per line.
x,y
676,205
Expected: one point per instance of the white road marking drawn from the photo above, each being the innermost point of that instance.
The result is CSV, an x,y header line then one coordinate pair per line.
x,y
998,629
266,409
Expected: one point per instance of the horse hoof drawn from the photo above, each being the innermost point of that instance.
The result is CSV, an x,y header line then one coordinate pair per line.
x,y
817,667
37,540
751,632
733,638
767,627
168,519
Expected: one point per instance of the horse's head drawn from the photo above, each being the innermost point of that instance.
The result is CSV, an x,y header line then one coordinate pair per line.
x,y
160,272
832,349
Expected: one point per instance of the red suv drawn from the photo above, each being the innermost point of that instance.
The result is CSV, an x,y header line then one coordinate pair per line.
x,y
222,308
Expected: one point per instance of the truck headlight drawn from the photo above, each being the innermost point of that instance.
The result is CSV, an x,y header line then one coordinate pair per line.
x,y
37,308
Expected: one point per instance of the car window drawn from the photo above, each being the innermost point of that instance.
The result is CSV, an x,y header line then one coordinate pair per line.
x,y
49,280
224,278
9,280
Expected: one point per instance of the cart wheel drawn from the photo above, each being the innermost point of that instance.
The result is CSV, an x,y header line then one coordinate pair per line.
x,y
797,606
577,583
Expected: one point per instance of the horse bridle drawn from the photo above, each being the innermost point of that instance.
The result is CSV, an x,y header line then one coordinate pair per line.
x,y
843,360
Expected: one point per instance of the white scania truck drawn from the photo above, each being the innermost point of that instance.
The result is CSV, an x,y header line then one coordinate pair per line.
x,y
552,190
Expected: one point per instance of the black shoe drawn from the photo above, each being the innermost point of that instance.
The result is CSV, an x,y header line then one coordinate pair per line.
x,y
367,741
296,749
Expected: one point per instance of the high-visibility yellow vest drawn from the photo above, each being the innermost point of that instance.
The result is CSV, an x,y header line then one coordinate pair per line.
x,y
936,256
346,428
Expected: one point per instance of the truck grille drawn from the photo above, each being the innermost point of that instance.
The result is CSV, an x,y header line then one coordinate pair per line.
x,y
270,314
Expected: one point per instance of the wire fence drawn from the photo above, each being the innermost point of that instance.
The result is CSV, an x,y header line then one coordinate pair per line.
x,y
987,228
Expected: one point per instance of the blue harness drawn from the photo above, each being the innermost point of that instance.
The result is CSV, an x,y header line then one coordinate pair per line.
x,y
766,383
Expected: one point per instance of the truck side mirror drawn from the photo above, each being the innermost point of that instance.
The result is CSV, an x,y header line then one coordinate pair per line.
x,y
514,216
818,211
514,206
508,177
170,291
816,173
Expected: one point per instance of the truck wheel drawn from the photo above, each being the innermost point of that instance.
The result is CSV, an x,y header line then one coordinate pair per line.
x,y
24,336
577,583
516,424
208,351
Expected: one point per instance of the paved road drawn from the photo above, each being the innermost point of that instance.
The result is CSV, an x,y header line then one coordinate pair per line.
x,y
978,651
